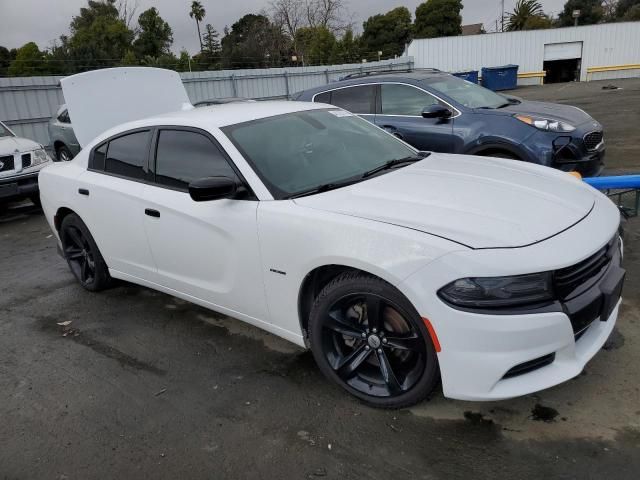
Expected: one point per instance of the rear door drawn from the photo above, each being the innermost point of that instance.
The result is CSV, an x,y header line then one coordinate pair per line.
x,y
208,250
399,111
111,202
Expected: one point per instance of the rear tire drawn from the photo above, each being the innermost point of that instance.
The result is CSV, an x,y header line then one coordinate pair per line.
x,y
82,254
368,338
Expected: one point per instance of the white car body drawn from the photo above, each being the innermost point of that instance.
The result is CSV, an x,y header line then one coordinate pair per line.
x,y
20,161
418,228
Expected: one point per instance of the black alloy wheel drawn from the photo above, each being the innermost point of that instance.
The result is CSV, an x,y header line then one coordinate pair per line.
x,y
82,254
366,336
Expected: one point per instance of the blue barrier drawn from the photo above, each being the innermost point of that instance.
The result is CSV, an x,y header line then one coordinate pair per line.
x,y
617,182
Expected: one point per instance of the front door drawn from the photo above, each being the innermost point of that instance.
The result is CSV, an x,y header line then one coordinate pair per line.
x,y
400,113
208,250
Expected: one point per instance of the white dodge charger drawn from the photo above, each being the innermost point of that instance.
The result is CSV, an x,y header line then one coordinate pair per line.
x,y
395,267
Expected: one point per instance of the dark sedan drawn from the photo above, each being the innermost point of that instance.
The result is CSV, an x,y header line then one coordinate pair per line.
x,y
436,111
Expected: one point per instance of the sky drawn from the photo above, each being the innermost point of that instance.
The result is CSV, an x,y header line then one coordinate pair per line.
x,y
43,21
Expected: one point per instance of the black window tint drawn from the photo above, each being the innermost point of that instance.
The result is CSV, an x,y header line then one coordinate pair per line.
x,y
99,154
323,97
404,100
183,156
127,155
354,99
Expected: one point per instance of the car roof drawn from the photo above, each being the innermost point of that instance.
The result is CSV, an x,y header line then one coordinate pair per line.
x,y
217,116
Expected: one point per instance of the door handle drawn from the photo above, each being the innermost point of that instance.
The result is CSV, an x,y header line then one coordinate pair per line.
x,y
83,191
152,213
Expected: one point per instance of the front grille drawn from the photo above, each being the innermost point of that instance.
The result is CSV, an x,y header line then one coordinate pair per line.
x,y
592,140
6,163
26,160
567,279
530,366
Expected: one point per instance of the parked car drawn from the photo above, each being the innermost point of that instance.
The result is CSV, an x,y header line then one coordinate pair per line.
x,y
62,137
393,266
20,161
436,111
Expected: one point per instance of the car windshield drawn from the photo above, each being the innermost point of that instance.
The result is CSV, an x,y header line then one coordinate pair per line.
x,y
466,93
4,131
301,151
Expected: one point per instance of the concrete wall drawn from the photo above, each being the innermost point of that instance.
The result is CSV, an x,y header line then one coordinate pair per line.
x,y
27,103
603,45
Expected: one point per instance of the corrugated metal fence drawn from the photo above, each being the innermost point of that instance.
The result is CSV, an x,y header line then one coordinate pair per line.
x,y
27,103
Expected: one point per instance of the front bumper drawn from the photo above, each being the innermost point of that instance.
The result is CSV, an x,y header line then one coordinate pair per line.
x,y
18,186
479,350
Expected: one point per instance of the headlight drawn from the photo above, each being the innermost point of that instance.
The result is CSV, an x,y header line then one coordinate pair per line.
x,y
39,156
546,124
492,292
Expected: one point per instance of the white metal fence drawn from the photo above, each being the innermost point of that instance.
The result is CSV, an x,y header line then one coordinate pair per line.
x,y
27,103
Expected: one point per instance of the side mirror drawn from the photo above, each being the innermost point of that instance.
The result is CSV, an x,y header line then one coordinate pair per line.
x,y
212,188
436,111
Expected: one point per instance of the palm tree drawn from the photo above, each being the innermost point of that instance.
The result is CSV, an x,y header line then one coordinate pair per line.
x,y
197,12
523,11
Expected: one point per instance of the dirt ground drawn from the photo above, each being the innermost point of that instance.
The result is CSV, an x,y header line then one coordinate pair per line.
x,y
141,384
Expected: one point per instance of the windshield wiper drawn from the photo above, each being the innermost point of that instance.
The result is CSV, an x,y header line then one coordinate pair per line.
x,y
325,187
393,163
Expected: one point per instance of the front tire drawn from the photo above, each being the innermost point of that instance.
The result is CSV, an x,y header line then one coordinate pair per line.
x,y
63,154
82,254
368,338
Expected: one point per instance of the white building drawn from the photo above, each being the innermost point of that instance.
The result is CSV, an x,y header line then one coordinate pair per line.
x,y
593,52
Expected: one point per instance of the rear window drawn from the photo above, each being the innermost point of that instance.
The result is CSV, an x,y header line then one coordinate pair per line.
x,y
127,155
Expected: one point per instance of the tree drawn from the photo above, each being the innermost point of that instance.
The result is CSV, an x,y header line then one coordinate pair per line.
x,y
254,41
210,42
538,22
633,14
315,44
129,59
127,10
522,13
5,60
155,37
623,7
29,61
388,33
197,13
590,12
438,18
329,14
347,49
99,37
290,14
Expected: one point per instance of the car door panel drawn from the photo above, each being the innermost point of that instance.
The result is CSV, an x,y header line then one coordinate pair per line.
x,y
206,249
112,209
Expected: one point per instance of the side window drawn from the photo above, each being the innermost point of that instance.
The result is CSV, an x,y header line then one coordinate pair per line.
x,y
64,117
354,99
127,155
404,100
323,98
99,155
184,156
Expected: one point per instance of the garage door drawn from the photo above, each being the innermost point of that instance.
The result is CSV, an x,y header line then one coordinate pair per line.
x,y
562,51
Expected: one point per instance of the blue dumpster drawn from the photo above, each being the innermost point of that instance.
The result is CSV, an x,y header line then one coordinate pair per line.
x,y
469,76
500,78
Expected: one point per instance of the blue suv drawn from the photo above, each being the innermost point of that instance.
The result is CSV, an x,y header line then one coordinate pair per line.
x,y
433,110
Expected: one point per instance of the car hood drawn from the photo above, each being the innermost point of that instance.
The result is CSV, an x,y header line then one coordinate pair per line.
x,y
11,145
554,111
475,201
